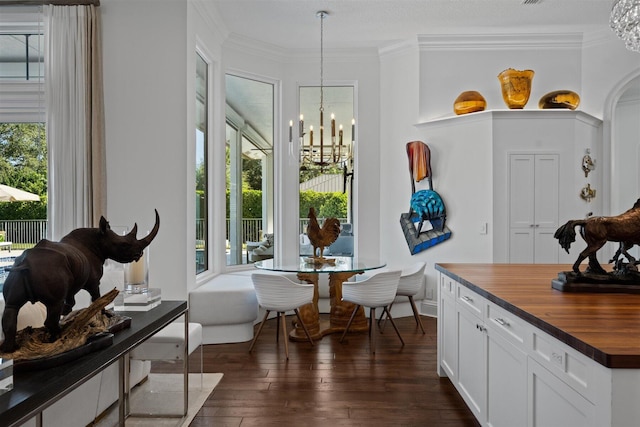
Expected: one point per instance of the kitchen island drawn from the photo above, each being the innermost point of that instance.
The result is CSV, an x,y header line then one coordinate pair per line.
x,y
522,353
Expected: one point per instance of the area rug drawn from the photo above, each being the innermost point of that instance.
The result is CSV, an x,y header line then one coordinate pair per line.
x,y
162,394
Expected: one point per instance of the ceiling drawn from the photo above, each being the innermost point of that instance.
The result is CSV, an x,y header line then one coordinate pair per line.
x,y
293,24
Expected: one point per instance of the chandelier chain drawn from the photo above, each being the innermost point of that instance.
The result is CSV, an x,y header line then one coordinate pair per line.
x,y
322,15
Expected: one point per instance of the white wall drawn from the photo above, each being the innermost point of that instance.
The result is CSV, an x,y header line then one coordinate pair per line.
x,y
453,64
149,74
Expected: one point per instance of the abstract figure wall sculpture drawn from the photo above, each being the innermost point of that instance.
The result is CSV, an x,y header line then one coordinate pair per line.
x,y
425,205
54,272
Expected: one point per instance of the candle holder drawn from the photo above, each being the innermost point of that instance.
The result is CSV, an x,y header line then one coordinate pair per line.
x,y
6,375
136,275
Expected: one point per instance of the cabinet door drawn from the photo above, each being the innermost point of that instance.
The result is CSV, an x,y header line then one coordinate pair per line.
x,y
448,338
553,403
546,247
472,380
521,187
506,383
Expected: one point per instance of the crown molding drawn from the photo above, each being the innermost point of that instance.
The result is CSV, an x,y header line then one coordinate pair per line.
x,y
506,41
401,48
210,15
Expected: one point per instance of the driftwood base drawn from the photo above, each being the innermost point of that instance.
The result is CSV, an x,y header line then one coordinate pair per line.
x,y
340,310
614,282
83,331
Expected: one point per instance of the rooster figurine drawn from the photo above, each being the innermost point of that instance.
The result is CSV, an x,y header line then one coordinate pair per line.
x,y
321,237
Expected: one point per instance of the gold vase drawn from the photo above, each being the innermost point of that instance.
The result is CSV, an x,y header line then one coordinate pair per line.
x,y
469,102
516,87
560,99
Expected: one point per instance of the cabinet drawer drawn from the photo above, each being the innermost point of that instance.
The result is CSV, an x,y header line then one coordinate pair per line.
x,y
567,364
447,286
471,300
507,324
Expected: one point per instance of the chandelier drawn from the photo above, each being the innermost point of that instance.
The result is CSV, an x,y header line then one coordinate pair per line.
x,y
323,152
625,21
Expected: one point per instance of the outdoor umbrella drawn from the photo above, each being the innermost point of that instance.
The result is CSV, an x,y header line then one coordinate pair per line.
x,y
10,194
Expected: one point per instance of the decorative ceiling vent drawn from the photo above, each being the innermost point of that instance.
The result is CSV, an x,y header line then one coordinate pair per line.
x,y
531,1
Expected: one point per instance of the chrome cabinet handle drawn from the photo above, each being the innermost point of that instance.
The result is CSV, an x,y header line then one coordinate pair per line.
x,y
467,298
481,328
501,321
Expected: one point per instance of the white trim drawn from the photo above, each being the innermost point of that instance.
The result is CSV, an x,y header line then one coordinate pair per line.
x,y
495,42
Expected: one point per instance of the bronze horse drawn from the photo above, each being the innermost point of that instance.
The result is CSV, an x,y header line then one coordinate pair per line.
x,y
596,231
54,272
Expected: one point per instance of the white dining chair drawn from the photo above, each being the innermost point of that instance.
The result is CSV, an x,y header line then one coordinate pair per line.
x,y
377,291
280,294
411,280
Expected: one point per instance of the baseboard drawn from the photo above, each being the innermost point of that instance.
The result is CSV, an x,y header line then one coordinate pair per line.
x,y
429,308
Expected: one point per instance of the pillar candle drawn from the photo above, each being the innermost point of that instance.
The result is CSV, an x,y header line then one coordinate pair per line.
x,y
136,271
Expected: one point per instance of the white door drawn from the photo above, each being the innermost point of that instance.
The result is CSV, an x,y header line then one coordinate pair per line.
x,y
533,208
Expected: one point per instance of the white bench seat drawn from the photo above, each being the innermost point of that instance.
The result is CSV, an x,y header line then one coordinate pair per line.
x,y
226,307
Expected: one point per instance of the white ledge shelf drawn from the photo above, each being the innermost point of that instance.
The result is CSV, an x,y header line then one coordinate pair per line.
x,y
555,113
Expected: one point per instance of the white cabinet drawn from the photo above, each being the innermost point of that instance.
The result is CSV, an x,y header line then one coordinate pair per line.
x,y
533,208
553,403
509,373
506,382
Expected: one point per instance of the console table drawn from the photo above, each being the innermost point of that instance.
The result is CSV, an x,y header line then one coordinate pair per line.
x,y
34,391
523,354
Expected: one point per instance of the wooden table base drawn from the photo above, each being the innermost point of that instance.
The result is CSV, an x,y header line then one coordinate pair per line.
x,y
340,310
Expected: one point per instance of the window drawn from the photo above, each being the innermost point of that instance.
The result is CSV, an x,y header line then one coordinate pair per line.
x,y
21,55
327,188
202,133
249,169
23,144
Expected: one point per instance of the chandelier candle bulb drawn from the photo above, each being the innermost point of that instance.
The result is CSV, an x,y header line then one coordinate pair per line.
x,y
301,125
290,130
340,135
333,125
353,130
311,138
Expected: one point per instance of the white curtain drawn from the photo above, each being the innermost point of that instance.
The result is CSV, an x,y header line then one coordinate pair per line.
x,y
75,118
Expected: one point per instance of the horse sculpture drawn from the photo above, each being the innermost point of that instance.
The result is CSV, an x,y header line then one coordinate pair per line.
x,y
54,272
596,231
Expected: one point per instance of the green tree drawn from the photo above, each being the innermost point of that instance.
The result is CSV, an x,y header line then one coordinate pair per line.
x,y
23,156
252,174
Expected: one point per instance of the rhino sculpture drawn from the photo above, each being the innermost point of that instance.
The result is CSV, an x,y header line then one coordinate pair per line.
x,y
54,272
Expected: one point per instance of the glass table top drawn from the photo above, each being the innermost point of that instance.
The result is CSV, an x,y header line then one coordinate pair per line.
x,y
299,265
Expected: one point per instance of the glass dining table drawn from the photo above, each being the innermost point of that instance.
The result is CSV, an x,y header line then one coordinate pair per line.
x,y
339,270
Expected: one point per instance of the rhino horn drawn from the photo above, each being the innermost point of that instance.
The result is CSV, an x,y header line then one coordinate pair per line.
x,y
146,241
134,231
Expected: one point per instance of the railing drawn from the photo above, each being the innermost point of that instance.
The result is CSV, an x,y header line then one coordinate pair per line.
x,y
24,233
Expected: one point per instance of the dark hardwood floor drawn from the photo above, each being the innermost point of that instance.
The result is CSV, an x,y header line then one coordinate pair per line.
x,y
332,383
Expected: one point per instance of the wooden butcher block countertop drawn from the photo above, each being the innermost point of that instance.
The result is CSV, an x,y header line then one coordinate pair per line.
x,y
603,326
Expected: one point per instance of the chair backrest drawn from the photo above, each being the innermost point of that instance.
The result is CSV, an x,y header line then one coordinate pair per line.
x,y
278,293
377,290
411,279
